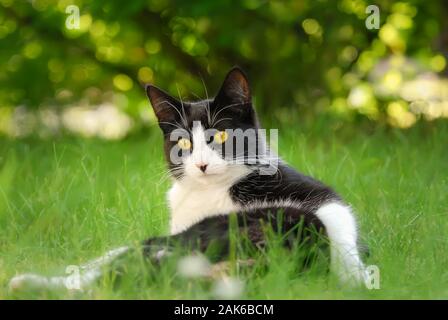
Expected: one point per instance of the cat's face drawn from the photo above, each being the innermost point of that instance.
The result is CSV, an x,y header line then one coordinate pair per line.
x,y
203,139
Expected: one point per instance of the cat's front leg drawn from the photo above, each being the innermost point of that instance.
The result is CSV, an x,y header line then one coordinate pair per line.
x,y
341,229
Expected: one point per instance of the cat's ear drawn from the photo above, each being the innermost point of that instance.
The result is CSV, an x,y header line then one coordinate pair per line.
x,y
235,89
166,108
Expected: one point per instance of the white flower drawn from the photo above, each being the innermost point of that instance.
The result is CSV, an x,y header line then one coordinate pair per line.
x,y
194,266
228,288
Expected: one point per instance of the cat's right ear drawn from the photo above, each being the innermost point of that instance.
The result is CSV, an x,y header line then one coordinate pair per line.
x,y
166,108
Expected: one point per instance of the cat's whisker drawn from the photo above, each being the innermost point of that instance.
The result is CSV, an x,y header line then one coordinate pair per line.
x,y
163,178
168,173
216,113
222,119
177,125
208,101
174,107
207,107
182,104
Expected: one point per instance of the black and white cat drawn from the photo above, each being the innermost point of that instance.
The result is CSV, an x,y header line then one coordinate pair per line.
x,y
210,183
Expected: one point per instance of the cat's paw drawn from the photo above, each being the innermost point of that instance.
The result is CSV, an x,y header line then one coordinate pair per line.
x,y
353,277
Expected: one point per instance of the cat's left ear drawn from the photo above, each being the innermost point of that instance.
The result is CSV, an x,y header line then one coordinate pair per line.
x,y
165,107
235,89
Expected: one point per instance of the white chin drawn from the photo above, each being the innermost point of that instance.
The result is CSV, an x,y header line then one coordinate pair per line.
x,y
207,178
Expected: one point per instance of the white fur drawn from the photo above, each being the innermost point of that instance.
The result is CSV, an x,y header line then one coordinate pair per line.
x,y
189,206
203,154
341,229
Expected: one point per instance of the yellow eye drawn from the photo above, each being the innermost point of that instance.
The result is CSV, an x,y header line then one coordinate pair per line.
x,y
184,144
221,137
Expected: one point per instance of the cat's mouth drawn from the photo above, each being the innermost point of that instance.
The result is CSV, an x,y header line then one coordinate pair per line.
x,y
209,178
208,175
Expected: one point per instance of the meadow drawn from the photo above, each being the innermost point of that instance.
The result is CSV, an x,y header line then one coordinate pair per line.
x,y
65,201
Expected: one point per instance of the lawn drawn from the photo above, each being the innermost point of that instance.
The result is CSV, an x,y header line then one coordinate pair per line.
x,y
67,201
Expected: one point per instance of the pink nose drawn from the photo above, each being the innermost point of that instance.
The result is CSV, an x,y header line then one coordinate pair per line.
x,y
202,166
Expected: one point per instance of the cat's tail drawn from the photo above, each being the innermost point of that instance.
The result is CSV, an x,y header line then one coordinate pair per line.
x,y
80,277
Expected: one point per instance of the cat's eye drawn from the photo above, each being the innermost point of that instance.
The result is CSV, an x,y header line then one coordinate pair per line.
x,y
184,144
220,137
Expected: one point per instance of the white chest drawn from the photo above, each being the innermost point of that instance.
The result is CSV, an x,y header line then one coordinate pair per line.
x,y
191,204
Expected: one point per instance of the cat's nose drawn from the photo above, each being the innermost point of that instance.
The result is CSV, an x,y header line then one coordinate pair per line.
x,y
202,166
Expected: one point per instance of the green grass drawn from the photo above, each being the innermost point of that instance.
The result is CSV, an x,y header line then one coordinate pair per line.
x,y
65,202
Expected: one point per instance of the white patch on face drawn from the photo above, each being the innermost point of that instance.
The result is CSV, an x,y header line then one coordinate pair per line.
x,y
214,168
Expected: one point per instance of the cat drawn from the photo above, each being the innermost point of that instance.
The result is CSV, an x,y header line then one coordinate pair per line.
x,y
212,180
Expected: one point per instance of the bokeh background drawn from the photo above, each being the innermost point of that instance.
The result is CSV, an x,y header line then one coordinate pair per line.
x,y
306,60
365,111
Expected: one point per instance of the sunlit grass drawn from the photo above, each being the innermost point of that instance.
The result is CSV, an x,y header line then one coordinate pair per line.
x,y
66,202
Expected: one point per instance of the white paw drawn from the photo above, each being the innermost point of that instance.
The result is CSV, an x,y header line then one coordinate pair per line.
x,y
353,277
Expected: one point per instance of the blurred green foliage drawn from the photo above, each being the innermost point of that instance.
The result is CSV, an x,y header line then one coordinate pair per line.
x,y
303,57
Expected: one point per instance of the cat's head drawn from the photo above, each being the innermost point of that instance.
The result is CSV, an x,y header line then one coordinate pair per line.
x,y
201,137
